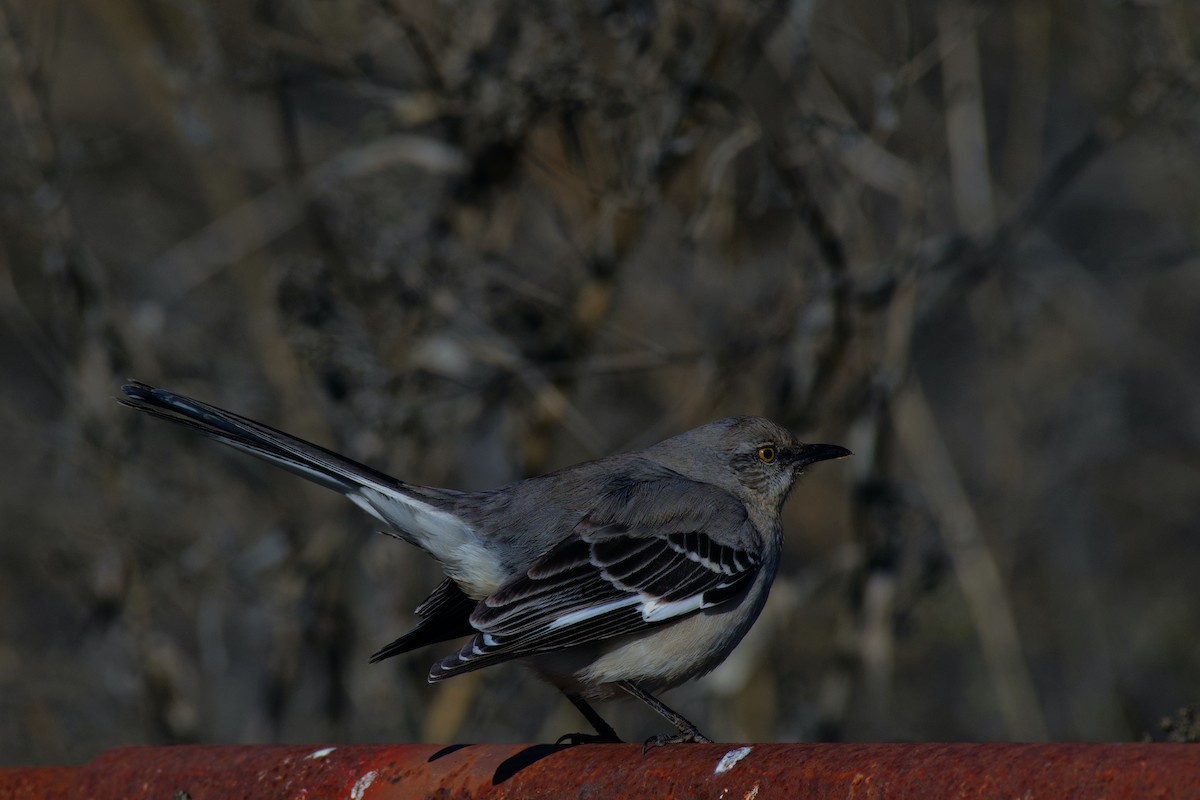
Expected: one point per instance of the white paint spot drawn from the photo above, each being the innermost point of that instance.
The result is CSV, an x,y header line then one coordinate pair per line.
x,y
753,793
362,784
320,753
730,760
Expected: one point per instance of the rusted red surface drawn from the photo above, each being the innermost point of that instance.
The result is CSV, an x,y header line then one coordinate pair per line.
x,y
28,784
363,772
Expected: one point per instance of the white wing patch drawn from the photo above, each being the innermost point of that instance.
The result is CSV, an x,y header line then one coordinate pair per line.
x,y
582,614
657,610
652,609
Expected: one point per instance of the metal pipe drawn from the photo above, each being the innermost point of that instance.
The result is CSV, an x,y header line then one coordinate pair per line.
x,y
736,772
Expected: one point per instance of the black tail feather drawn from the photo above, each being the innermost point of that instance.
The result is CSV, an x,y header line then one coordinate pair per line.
x,y
294,454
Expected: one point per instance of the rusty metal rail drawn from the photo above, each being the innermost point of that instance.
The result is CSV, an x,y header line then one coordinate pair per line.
x,y
732,772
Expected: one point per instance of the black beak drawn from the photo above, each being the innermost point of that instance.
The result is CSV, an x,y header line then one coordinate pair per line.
x,y
806,454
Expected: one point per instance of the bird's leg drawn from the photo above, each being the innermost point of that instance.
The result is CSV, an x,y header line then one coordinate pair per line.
x,y
604,732
687,731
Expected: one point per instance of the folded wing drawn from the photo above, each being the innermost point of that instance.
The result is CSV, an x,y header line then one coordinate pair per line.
x,y
622,570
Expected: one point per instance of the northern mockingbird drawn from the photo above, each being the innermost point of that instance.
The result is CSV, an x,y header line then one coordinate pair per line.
x,y
632,573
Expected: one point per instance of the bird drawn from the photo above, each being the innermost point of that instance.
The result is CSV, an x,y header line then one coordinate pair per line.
x,y
628,574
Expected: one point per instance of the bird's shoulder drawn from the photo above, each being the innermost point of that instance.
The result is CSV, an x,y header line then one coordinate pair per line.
x,y
647,499
629,493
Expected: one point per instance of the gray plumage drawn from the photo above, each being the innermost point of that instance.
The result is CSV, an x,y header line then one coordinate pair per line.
x,y
633,572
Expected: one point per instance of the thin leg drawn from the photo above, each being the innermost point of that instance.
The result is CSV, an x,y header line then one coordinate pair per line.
x,y
687,731
604,731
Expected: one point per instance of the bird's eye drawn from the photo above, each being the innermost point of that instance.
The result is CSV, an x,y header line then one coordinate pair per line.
x,y
767,454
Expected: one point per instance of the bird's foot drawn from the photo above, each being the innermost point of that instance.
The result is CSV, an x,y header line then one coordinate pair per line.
x,y
675,738
586,738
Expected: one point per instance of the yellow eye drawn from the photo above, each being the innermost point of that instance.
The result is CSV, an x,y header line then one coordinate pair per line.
x,y
767,454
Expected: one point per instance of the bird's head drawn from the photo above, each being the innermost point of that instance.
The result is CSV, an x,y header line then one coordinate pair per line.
x,y
750,457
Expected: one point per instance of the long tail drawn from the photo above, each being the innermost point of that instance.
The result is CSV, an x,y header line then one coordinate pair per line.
x,y
295,455
420,515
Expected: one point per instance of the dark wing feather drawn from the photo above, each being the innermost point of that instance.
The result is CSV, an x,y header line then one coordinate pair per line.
x,y
622,570
445,614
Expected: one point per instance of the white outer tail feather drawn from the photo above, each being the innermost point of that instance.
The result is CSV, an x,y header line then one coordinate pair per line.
x,y
456,545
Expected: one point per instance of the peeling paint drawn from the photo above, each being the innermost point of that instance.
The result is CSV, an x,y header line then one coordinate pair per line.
x,y
360,787
320,753
730,759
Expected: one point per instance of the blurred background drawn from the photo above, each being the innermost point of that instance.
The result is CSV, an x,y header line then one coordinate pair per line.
x,y
470,242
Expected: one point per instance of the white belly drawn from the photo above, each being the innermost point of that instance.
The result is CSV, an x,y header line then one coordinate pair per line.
x,y
658,658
